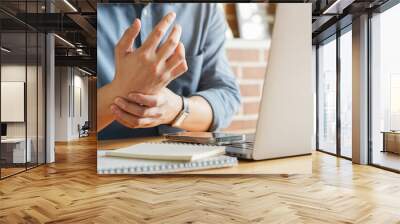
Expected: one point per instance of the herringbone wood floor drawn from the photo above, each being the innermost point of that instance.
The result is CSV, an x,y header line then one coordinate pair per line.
x,y
70,191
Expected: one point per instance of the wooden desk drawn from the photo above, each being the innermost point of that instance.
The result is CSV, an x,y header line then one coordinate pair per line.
x,y
391,141
293,165
15,149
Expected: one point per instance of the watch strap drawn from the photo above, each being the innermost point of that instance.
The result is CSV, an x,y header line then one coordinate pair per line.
x,y
182,114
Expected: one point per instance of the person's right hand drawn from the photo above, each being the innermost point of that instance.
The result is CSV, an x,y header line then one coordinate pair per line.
x,y
150,67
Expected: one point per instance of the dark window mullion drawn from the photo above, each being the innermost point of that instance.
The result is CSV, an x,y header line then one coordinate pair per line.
x,y
26,87
37,90
317,95
338,91
369,91
44,72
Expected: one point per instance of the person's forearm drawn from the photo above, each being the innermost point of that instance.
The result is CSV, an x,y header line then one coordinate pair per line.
x,y
200,115
106,96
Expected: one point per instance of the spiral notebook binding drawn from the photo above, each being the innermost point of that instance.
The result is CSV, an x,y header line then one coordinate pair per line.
x,y
180,143
218,162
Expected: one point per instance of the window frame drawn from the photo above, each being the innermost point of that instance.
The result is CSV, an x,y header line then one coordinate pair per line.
x,y
334,37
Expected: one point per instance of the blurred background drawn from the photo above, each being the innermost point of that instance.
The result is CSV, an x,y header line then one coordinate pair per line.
x,y
248,41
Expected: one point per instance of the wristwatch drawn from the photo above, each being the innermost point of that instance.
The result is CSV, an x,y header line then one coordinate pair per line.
x,y
183,114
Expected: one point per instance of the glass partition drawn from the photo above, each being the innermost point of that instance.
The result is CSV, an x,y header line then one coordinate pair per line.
x,y
14,153
22,90
327,96
41,96
31,99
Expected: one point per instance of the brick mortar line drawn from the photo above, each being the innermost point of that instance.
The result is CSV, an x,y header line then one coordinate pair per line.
x,y
250,82
247,117
251,99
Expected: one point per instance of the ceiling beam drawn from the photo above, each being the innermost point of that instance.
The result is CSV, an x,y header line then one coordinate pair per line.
x,y
337,7
78,61
89,30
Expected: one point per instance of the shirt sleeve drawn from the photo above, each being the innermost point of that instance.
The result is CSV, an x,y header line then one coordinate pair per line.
x,y
217,83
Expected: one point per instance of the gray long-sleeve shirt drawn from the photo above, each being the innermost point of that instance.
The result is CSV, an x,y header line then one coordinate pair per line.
x,y
203,35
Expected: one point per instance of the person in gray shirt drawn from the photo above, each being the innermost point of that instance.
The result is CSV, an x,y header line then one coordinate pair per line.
x,y
163,72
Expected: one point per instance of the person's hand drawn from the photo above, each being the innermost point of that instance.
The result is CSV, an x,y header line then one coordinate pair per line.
x,y
150,67
144,111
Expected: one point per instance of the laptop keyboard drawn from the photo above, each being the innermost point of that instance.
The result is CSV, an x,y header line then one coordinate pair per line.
x,y
248,144
244,145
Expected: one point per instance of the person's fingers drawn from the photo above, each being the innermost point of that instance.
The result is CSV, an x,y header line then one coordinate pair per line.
x,y
125,44
177,58
170,44
137,110
146,100
123,117
123,122
151,43
129,120
179,70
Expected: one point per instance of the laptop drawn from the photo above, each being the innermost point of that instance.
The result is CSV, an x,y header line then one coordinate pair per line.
x,y
285,124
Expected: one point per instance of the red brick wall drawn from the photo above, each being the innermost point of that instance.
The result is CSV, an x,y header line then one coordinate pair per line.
x,y
248,60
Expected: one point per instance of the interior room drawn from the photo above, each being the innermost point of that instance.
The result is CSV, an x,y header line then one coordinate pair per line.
x,y
22,99
334,57
26,93
48,168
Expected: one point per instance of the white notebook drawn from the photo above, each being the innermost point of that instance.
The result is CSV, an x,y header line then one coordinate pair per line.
x,y
168,151
120,165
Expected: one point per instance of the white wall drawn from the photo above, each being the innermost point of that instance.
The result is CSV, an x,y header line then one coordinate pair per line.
x,y
80,103
61,103
14,73
70,83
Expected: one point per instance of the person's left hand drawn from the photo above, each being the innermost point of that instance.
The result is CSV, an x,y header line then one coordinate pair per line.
x,y
145,111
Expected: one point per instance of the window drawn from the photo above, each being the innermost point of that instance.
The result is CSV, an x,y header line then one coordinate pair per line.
x,y
327,96
346,94
333,137
385,88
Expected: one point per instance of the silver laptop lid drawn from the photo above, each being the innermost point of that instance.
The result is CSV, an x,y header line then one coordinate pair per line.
x,y
286,116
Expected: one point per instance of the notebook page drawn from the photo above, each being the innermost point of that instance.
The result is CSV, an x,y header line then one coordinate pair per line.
x,y
168,151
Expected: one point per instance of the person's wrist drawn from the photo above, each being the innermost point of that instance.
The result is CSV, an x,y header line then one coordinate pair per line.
x,y
118,88
176,106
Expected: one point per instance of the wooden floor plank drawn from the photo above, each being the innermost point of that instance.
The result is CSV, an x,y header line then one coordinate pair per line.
x,y
70,191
